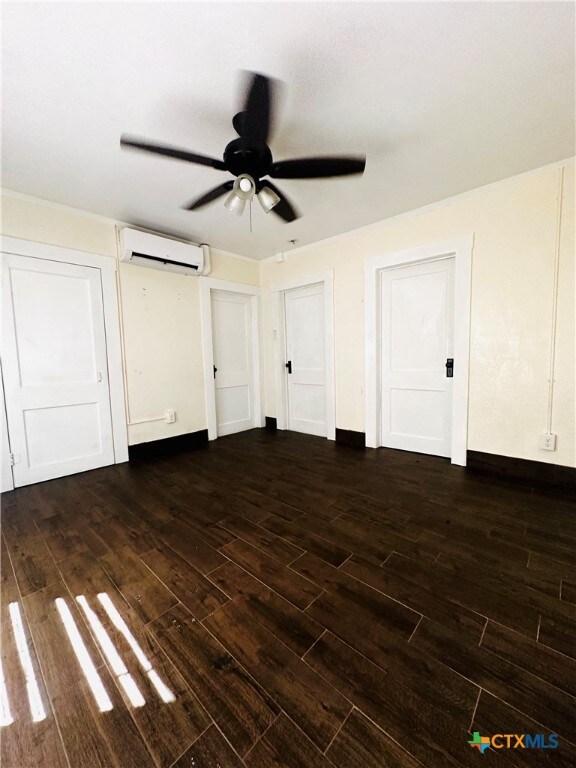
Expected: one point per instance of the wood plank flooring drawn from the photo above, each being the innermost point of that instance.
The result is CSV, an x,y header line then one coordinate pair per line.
x,y
274,600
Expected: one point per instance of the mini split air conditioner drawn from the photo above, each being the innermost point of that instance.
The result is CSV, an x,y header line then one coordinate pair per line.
x,y
147,250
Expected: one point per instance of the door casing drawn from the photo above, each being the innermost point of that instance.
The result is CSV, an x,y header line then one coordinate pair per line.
x,y
461,249
281,390
207,285
107,267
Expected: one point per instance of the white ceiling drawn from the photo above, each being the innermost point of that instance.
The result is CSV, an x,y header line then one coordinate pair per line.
x,y
441,97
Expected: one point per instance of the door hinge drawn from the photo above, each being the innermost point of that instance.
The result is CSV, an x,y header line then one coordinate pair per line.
x,y
15,458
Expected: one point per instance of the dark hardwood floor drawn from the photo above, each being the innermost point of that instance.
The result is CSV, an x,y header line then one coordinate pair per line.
x,y
276,600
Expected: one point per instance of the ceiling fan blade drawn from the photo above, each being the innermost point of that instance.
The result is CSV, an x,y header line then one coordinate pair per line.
x,y
213,194
167,151
284,208
317,167
258,108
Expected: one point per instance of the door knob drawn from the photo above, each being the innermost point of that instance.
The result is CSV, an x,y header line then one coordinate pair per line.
x,y
289,366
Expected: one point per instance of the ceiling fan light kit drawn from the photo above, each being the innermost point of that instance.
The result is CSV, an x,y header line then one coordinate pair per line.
x,y
249,159
243,190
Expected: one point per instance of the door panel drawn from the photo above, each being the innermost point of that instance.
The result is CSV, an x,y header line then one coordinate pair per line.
x,y
81,437
233,409
66,301
55,368
417,338
305,349
418,413
233,358
418,341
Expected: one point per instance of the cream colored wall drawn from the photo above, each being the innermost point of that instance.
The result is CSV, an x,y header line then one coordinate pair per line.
x,y
163,344
55,225
160,314
514,225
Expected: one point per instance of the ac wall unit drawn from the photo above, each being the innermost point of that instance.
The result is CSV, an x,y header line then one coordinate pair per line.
x,y
147,250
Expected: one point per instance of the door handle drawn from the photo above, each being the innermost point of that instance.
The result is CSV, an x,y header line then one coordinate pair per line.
x,y
289,366
215,369
450,367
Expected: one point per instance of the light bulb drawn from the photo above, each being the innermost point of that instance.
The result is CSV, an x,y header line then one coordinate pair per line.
x,y
245,185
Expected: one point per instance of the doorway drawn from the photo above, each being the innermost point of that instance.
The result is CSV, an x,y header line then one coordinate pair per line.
x,y
304,355
417,349
56,341
417,355
231,356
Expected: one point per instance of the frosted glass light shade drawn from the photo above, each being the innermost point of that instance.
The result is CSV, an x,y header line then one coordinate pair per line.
x,y
268,199
235,204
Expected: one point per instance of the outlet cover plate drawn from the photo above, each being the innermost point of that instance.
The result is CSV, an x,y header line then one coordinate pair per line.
x,y
547,442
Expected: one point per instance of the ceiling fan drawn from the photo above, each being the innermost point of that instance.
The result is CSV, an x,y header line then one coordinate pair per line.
x,y
249,159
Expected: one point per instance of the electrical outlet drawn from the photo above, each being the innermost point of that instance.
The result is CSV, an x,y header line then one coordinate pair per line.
x,y
547,442
170,416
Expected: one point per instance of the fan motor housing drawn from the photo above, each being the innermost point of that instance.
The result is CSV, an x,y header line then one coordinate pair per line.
x,y
243,156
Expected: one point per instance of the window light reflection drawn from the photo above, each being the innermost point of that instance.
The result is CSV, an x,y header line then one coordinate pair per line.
x,y
5,714
86,663
118,667
163,691
103,701
35,700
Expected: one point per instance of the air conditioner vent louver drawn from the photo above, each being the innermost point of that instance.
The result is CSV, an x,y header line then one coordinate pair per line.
x,y
157,252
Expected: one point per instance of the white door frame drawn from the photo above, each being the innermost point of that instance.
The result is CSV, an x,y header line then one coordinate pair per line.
x,y
208,284
278,318
6,476
460,248
107,267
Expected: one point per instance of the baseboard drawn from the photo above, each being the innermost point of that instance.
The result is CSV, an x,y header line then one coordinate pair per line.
x,y
351,438
271,423
526,471
168,446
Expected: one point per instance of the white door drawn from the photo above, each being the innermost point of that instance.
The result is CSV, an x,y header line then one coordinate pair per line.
x,y
233,361
417,340
306,359
55,369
